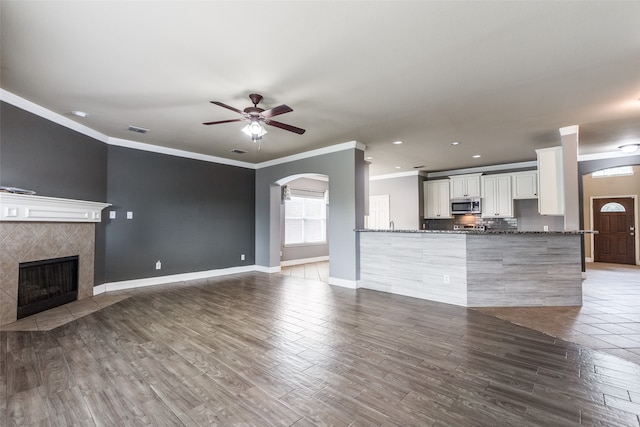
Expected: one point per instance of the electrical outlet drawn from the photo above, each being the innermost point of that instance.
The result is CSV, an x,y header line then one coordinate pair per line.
x,y
545,228
158,265
242,257
112,214
129,215
446,278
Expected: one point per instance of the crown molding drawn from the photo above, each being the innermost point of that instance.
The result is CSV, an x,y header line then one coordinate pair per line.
x,y
177,153
480,169
60,119
313,153
397,175
17,101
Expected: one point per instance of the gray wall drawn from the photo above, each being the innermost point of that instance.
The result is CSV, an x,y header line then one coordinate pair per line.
x,y
404,199
54,161
529,219
189,214
345,170
290,253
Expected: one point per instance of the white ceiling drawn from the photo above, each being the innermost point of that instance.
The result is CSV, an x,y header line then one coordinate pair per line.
x,y
500,77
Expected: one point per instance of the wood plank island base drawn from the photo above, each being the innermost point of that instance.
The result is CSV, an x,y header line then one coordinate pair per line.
x,y
474,268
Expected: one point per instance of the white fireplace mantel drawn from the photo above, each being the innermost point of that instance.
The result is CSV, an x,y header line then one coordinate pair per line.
x,y
24,207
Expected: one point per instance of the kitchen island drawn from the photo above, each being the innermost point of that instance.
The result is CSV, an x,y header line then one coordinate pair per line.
x,y
474,268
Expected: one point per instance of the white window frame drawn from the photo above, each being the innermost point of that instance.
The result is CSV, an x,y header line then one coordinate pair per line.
x,y
611,172
305,218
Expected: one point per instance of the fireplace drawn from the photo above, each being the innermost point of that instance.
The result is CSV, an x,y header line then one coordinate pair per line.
x,y
36,228
46,284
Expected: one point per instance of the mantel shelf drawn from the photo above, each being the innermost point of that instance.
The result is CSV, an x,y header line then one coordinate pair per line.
x,y
24,207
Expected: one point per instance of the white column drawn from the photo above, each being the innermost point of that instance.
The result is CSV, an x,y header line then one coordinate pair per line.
x,y
569,136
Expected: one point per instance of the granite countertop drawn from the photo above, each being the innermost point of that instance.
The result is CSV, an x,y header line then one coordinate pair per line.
x,y
363,230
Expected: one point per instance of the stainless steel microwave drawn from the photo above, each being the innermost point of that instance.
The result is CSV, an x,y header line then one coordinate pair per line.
x,y
466,206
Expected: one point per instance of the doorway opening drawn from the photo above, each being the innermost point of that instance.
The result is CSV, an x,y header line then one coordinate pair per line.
x,y
304,225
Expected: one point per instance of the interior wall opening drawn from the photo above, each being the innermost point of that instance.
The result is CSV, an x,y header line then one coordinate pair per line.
x,y
304,227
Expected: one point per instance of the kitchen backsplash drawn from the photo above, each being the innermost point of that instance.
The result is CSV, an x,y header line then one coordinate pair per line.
x,y
489,223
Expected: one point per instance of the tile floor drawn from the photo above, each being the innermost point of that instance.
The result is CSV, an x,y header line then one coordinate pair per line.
x,y
609,319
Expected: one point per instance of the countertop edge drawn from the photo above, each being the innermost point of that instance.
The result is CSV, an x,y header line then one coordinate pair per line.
x,y
367,230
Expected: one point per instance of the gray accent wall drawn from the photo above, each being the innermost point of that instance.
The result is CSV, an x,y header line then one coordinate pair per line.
x,y
345,170
54,161
189,214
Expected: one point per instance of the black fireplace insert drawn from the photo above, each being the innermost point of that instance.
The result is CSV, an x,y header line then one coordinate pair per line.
x,y
46,284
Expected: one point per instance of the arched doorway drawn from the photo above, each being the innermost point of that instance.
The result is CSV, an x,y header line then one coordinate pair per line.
x,y
304,225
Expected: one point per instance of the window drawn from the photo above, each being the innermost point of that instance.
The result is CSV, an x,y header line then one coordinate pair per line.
x,y
621,170
613,207
305,220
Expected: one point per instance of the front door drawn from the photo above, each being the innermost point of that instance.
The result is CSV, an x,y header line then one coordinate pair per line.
x,y
613,218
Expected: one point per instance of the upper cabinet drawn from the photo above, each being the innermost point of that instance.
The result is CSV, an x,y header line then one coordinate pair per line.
x,y
436,199
465,185
497,201
550,181
524,185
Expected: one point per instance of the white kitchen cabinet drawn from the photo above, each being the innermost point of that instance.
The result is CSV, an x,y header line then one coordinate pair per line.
x,y
465,185
436,199
497,201
524,185
550,181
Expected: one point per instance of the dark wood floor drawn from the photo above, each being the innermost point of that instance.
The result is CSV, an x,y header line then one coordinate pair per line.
x,y
258,349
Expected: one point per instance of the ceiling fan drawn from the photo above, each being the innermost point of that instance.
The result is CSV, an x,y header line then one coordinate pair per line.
x,y
256,116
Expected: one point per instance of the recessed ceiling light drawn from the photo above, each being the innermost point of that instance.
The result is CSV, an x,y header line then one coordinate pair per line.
x,y
455,143
629,148
369,158
476,156
397,142
79,113
398,167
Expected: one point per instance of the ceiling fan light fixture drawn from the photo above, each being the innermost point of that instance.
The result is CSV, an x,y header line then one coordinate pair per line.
x,y
255,130
629,148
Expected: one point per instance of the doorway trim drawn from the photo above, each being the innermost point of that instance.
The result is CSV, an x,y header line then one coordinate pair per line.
x,y
635,219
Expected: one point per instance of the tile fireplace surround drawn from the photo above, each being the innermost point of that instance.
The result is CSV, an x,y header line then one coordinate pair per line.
x,y
34,228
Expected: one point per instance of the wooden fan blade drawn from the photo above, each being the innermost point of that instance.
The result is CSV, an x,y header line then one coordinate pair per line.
x,y
284,126
223,121
221,104
276,111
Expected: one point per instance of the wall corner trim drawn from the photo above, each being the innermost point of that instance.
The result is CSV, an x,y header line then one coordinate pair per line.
x,y
343,283
569,130
265,269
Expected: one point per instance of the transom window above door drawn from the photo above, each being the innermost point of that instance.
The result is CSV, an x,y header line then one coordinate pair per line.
x,y
612,207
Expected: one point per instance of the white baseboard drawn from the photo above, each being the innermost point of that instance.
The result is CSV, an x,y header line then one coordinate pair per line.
x,y
304,261
588,259
264,269
161,280
344,283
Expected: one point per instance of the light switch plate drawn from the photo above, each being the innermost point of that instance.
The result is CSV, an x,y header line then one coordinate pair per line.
x,y
112,214
129,215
